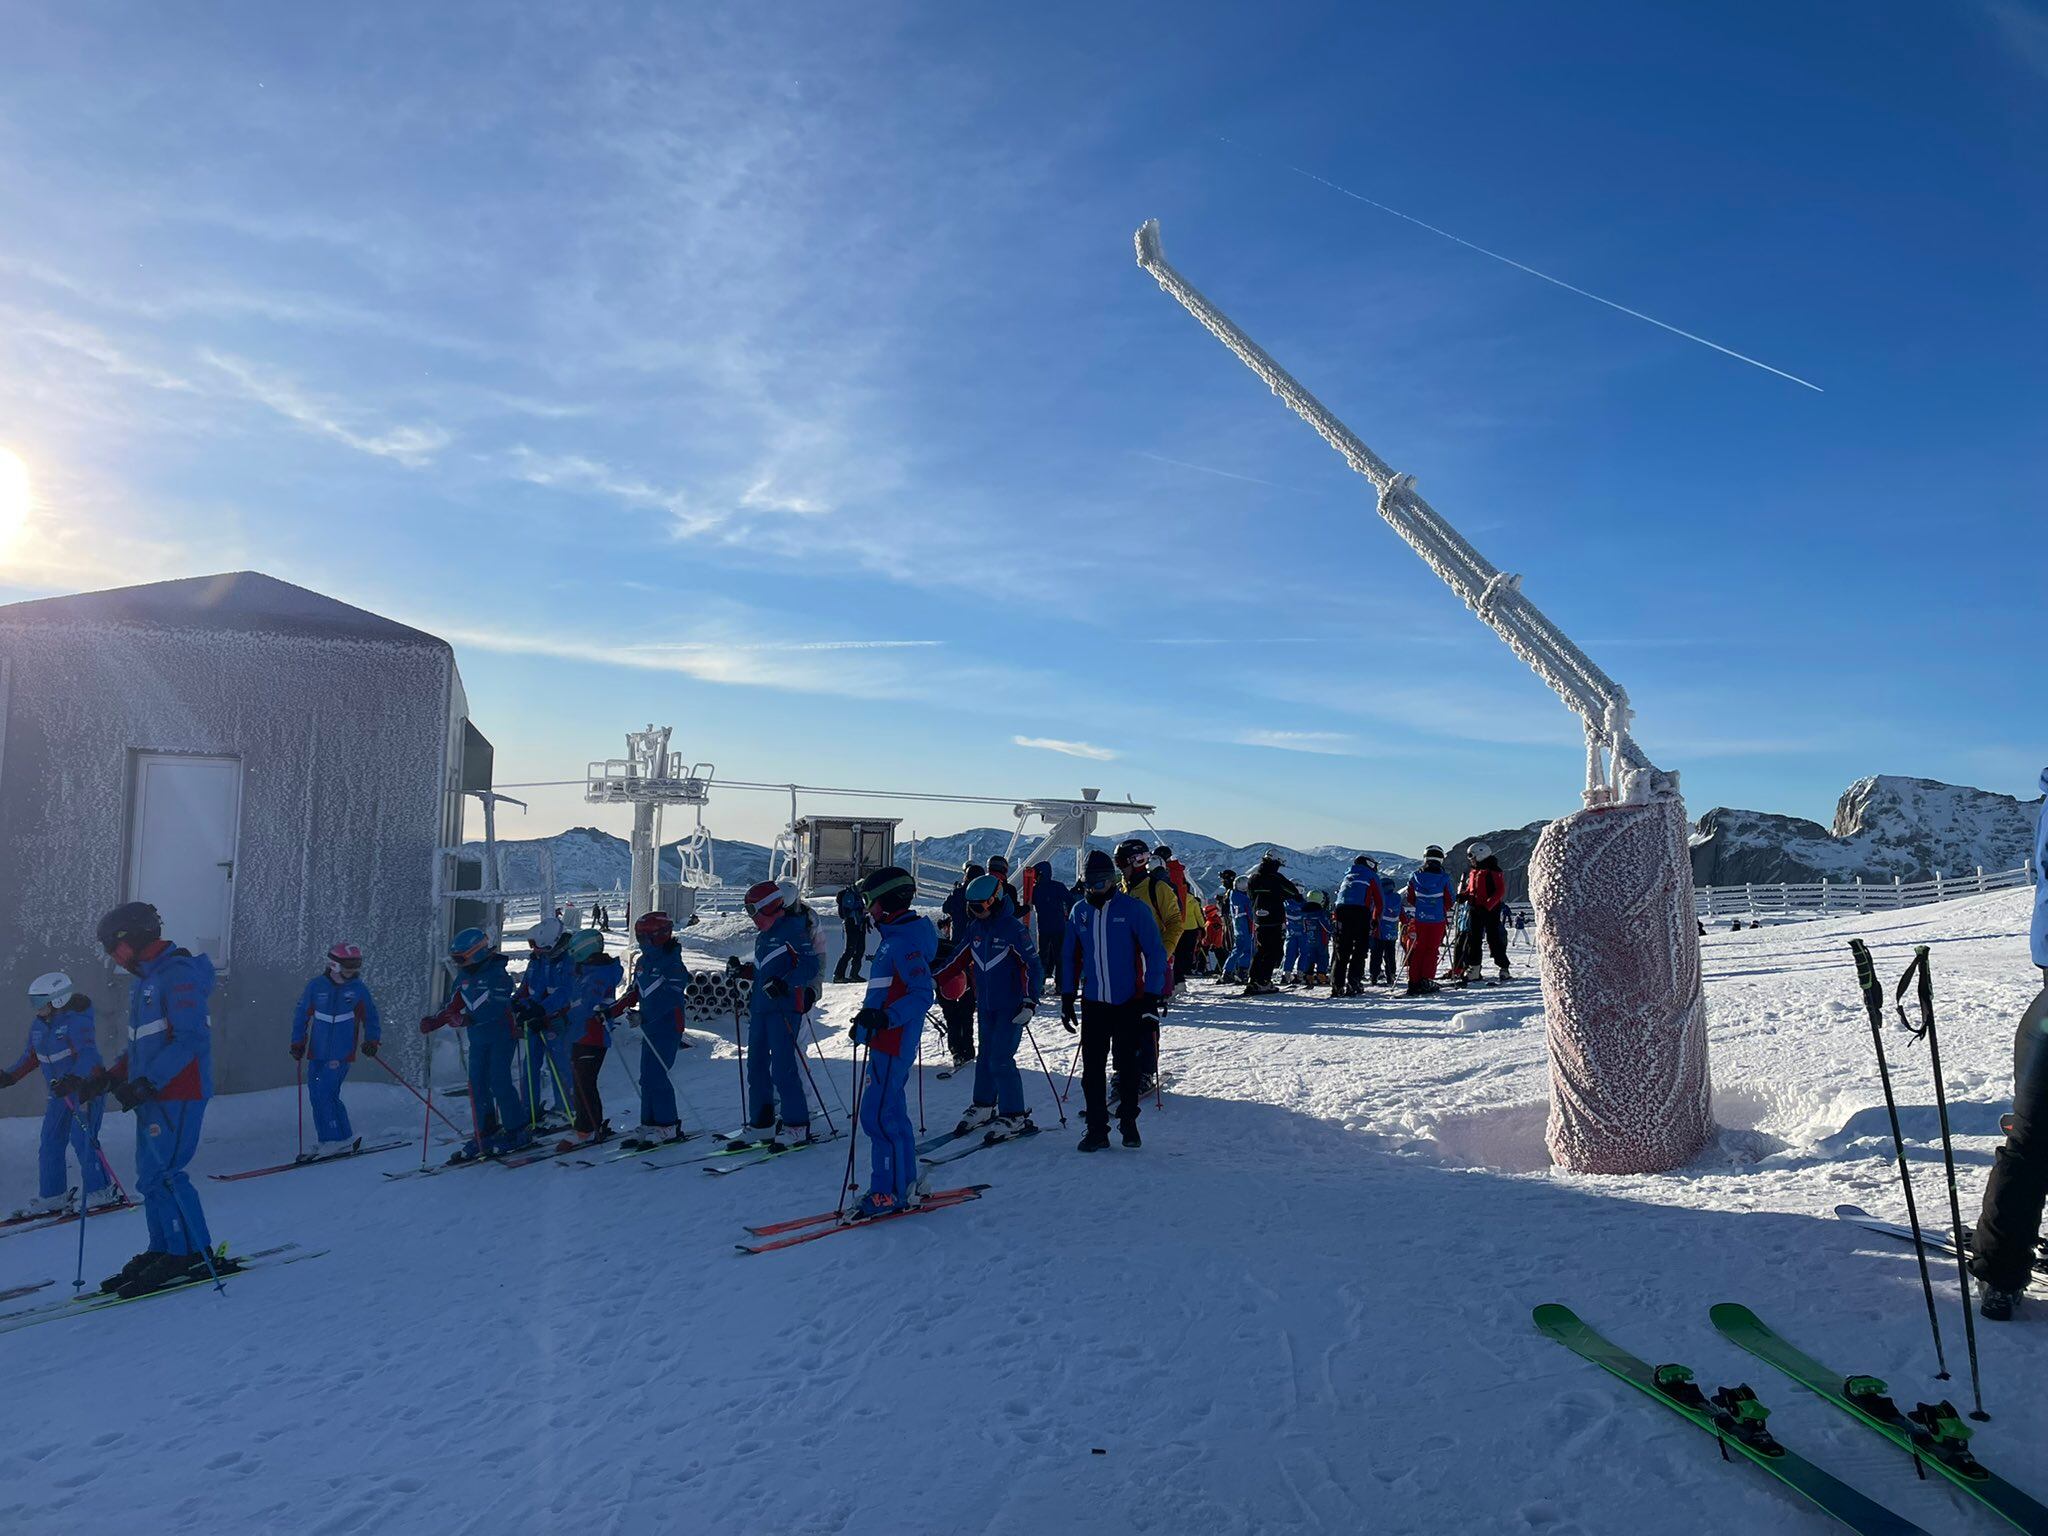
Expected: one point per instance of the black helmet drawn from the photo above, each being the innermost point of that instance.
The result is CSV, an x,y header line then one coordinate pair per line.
x,y
889,889
134,923
1227,876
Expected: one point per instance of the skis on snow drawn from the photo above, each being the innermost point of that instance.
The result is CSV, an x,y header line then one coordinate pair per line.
x,y
98,1301
14,1226
966,1146
831,1221
309,1160
1733,1416
1933,1434
1856,1216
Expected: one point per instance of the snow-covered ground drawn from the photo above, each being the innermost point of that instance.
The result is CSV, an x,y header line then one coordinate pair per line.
x,y
1304,1306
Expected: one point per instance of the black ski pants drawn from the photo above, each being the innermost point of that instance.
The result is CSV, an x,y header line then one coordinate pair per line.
x,y
1354,935
959,1016
1267,939
2010,1224
585,1062
1111,1034
855,954
1383,962
1049,954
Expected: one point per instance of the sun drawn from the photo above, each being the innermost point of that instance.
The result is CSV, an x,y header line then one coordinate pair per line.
x,y
14,497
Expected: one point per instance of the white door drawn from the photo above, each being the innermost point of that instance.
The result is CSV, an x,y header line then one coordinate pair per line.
x,y
181,852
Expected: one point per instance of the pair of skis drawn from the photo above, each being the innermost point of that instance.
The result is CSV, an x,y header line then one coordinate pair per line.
x,y
1855,1215
808,1229
1933,1434
309,1160
15,1226
99,1301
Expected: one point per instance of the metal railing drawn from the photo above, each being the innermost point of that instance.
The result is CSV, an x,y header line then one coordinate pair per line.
x,y
1829,897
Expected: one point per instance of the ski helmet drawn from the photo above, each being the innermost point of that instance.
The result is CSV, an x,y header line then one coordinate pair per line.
x,y
999,866
546,933
1432,852
792,898
1228,877
1477,852
134,925
1100,873
469,946
984,895
764,903
50,991
1162,852
654,929
889,889
1368,861
344,961
585,944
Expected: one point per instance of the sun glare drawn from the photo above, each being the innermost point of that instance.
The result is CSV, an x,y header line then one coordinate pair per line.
x,y
14,498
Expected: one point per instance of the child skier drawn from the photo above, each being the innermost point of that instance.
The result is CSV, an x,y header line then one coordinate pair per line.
x,y
660,982
482,1003
1428,895
900,991
1315,940
786,967
335,1014
1388,931
1237,967
594,978
61,1039
1007,983
539,1006
1297,936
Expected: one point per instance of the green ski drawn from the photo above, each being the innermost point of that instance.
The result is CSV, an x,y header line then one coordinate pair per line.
x,y
1933,1434
1732,1416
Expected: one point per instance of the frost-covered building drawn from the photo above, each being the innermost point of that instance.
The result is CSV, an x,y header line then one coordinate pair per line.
x,y
272,768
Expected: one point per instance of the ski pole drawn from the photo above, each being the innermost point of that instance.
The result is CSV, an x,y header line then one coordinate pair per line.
x,y
299,1072
819,1046
77,1118
920,1082
1926,1032
1873,1003
1058,1099
1073,1062
423,1098
740,1048
796,1044
853,1131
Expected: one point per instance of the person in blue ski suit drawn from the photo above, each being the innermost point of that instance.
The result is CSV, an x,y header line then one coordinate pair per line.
x,y
1429,902
1007,981
166,1078
660,983
1114,967
594,978
482,1004
900,993
335,1015
1383,963
1297,935
1051,901
1315,937
62,1042
786,968
1237,912
540,1006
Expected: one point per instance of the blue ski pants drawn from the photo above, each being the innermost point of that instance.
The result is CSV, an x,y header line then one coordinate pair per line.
x,y
323,1088
493,1097
1241,945
657,1056
61,1124
166,1136
996,1078
885,1117
774,1076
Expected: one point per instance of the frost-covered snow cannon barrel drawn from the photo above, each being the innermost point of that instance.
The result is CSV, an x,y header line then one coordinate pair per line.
x,y
1612,883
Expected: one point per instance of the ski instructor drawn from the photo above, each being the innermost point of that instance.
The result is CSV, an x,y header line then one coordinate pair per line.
x,y
2010,1224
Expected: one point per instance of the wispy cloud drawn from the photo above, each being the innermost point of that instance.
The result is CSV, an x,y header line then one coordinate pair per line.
x,y
1086,749
1321,743
412,446
1208,469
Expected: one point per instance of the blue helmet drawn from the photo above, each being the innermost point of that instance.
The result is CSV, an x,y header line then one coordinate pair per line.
x,y
469,946
983,893
585,944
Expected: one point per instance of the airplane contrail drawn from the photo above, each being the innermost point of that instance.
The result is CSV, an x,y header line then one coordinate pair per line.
x,y
1741,357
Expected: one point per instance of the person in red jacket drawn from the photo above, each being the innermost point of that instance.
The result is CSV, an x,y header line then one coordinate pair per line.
x,y
1484,891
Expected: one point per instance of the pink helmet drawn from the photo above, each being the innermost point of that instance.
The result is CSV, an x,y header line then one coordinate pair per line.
x,y
344,960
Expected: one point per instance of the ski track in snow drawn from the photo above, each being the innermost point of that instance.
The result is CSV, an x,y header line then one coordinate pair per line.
x,y
1304,1306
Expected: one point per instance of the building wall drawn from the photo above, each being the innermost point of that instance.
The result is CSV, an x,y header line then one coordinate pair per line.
x,y
344,751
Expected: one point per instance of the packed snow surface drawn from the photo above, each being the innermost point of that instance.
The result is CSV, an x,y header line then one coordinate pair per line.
x,y
1303,1306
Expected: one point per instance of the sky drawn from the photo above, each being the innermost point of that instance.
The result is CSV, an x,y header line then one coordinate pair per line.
x,y
783,374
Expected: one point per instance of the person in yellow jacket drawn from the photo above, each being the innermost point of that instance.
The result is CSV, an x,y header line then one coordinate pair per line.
x,y
1155,890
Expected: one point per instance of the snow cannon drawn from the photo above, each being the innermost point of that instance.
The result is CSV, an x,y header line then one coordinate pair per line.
x,y
1617,944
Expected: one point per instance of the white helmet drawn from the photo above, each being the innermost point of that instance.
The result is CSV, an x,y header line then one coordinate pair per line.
x,y
791,897
546,933
1477,852
51,990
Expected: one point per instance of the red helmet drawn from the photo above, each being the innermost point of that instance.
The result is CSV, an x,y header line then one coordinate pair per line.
x,y
345,960
765,903
654,929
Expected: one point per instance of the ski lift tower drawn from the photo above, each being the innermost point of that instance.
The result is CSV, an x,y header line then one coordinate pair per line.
x,y
1071,823
647,778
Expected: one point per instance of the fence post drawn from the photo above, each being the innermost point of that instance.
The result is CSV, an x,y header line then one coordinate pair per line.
x,y
1980,879
1824,894
1784,897
1939,893
1749,900
1859,893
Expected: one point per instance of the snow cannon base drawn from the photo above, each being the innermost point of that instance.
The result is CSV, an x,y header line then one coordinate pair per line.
x,y
1618,948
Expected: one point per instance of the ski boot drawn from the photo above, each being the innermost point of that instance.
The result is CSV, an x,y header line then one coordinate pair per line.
x,y
135,1266
1005,1127
977,1117
105,1198
1094,1141
1998,1306
1131,1135
44,1205
787,1136
872,1204
328,1149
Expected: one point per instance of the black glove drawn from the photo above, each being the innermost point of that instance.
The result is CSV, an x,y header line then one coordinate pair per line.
x,y
94,1085
298,1050
132,1091
1068,1016
1149,1009
64,1087
868,1023
775,988
8,1080
369,1047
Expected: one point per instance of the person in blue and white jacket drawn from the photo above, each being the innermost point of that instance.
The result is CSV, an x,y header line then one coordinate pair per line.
x,y
1386,939
999,955
1297,941
786,969
62,1042
1238,913
335,1015
1114,966
482,1004
900,993
661,981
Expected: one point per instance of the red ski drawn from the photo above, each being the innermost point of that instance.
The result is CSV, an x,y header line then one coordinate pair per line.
x,y
775,1228
309,1162
971,1193
16,1225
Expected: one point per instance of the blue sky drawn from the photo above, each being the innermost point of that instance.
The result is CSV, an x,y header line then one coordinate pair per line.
x,y
782,372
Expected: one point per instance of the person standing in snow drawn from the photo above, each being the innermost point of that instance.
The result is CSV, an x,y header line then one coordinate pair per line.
x,y
956,1000
1155,890
2009,1225
661,981
1295,907
900,990
1214,940
1357,918
1112,962
1270,891
166,1078
1237,913
785,967
1428,902
1007,981
482,1004
853,917
1315,939
1051,901
1387,931
1484,892
955,904
62,1041
594,978
540,1007
999,866
335,1016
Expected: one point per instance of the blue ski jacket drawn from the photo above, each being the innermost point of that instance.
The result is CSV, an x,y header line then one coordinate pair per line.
x,y
482,1000
1007,974
1052,902
64,1044
546,984
170,1041
1392,893
1427,891
900,979
1357,887
593,984
1112,953
783,952
2041,880
1241,910
333,1017
660,982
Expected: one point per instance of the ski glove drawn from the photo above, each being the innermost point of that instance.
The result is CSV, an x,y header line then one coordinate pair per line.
x,y
95,1084
132,1091
8,1080
1068,1017
868,1023
64,1087
369,1047
1149,1010
298,1050
776,987
1024,1015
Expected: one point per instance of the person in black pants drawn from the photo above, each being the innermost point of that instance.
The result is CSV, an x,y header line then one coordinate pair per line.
x,y
1111,961
2009,1228
1270,891
853,913
958,1012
